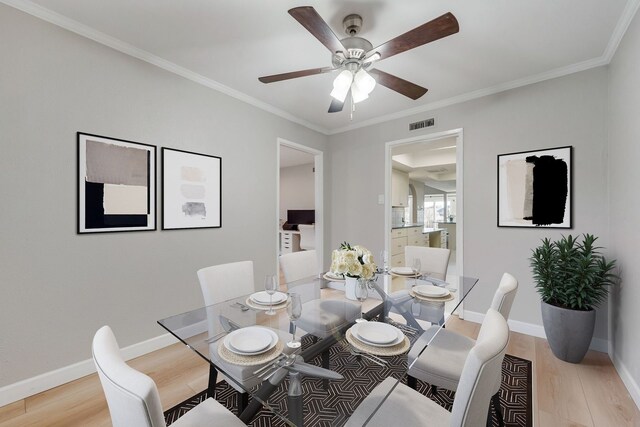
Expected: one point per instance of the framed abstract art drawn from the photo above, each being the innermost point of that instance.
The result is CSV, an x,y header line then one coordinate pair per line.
x,y
534,188
116,185
191,190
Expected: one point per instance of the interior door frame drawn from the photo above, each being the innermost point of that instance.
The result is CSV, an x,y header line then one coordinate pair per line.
x,y
458,133
318,177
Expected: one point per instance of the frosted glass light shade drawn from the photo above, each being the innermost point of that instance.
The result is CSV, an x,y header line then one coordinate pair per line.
x,y
341,85
357,93
365,82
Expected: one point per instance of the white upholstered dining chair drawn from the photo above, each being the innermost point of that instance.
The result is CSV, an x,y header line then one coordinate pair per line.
x,y
442,361
481,372
221,283
307,236
434,261
133,397
320,318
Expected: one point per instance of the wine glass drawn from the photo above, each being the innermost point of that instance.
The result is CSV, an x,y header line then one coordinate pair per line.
x,y
416,267
270,286
384,258
362,293
294,309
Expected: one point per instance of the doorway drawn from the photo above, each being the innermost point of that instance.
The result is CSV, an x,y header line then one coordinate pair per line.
x,y
299,198
424,188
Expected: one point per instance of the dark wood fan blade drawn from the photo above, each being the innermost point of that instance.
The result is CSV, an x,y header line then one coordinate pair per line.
x,y
309,18
336,106
401,86
438,28
294,74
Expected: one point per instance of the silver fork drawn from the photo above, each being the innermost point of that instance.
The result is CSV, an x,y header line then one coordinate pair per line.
x,y
287,361
215,337
371,357
268,366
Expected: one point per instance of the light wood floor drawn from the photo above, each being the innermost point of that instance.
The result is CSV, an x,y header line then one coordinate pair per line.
x,y
564,394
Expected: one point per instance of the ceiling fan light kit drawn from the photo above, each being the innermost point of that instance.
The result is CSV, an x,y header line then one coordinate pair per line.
x,y
354,56
341,85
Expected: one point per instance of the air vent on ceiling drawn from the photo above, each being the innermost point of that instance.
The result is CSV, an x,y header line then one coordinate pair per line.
x,y
422,124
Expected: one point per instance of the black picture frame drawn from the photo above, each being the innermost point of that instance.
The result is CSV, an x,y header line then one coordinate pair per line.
x,y
535,188
191,190
116,185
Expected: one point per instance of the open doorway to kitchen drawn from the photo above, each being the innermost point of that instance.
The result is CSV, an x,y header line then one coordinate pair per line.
x,y
423,199
299,200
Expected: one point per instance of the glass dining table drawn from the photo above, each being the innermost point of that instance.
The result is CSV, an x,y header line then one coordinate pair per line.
x,y
322,381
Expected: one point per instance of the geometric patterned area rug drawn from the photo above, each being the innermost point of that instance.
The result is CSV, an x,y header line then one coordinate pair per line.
x,y
332,408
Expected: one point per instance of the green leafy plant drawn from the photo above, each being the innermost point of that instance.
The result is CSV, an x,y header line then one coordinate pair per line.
x,y
572,274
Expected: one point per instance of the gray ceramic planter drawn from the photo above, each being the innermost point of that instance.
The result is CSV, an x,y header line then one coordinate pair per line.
x,y
569,332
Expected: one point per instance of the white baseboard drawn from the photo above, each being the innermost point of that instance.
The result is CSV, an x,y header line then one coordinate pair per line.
x,y
597,344
48,380
627,379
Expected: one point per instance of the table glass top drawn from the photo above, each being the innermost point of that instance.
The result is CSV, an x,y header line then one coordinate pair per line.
x,y
362,351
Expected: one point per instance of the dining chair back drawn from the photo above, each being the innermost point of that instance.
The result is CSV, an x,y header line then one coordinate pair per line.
x,y
307,236
133,397
482,372
505,294
407,407
226,281
434,261
298,265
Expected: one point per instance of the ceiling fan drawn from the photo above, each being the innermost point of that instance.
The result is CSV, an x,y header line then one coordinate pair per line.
x,y
355,56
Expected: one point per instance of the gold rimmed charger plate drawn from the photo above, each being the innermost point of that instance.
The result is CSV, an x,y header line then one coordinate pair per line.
x,y
257,306
395,350
446,298
256,359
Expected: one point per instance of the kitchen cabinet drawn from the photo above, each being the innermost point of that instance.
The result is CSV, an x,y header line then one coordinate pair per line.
x,y
398,242
399,188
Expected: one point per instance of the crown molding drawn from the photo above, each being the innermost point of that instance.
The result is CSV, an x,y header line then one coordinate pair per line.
x,y
128,49
69,24
548,75
621,28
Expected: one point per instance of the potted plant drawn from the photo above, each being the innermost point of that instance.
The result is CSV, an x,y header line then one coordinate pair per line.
x,y
572,278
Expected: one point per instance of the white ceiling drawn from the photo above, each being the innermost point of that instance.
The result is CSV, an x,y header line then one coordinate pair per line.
x,y
432,163
292,157
228,44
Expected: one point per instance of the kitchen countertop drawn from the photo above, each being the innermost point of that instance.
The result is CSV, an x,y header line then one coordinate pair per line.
x,y
425,230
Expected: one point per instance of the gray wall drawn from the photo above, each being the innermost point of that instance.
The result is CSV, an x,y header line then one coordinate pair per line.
x,y
58,288
567,111
297,188
624,208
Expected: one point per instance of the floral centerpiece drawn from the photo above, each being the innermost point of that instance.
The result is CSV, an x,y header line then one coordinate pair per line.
x,y
353,261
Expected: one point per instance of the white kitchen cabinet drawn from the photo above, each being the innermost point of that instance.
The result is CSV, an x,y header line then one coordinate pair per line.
x,y
399,188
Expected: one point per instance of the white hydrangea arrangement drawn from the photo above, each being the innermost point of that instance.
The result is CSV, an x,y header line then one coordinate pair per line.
x,y
353,261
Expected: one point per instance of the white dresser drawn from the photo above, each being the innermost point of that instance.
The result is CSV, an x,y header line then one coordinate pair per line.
x,y
289,241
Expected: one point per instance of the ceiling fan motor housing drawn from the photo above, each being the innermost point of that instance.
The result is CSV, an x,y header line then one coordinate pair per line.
x,y
356,48
352,24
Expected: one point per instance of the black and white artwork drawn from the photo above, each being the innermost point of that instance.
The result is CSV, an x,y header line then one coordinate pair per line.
x,y
534,188
191,190
116,185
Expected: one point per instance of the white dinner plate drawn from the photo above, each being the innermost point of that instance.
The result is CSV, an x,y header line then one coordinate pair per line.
x,y
398,339
405,271
430,291
262,297
251,340
334,276
377,332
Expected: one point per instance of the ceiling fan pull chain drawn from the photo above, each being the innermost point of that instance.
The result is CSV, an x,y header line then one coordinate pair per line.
x,y
353,108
